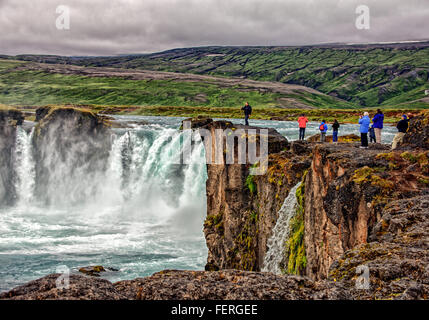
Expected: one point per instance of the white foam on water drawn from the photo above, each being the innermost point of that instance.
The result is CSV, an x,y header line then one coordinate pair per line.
x,y
142,212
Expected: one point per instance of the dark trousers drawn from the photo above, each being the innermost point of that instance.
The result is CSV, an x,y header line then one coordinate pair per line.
x,y
334,136
372,139
364,139
246,119
301,133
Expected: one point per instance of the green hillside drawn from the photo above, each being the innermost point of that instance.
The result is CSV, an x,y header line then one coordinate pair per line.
x,y
23,83
365,76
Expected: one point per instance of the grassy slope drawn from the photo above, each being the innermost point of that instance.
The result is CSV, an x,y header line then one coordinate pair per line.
x,y
367,77
29,87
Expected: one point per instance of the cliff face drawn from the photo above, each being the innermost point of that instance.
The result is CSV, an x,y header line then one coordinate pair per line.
x,y
338,212
242,208
396,256
346,191
341,200
418,133
9,119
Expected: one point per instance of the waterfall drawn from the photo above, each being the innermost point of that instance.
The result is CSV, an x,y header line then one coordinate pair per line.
x,y
141,174
24,166
126,201
280,233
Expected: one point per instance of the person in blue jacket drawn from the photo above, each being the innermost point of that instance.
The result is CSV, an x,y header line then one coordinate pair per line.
x,y
364,128
378,125
323,127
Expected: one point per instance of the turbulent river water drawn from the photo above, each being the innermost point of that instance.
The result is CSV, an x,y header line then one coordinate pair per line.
x,y
144,213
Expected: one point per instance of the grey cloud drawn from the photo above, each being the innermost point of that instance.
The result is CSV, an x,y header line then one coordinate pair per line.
x,y
131,26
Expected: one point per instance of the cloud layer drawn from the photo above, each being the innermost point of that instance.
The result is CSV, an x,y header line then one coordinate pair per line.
x,y
99,27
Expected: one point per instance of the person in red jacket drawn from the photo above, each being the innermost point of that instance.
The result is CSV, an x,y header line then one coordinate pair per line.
x,y
302,121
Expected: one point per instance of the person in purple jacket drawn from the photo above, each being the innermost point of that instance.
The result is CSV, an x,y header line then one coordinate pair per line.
x,y
378,125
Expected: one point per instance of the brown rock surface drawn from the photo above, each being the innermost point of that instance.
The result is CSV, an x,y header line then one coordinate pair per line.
x,y
397,256
418,132
182,285
344,138
346,191
81,288
226,285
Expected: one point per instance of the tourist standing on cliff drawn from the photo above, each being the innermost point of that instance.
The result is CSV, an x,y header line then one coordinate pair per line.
x,y
378,125
364,128
247,112
402,127
302,121
335,128
372,134
323,127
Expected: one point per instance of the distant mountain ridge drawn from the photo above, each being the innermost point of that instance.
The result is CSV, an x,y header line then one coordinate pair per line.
x,y
367,75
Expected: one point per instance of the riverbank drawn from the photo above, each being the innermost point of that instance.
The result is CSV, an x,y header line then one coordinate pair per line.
x,y
350,116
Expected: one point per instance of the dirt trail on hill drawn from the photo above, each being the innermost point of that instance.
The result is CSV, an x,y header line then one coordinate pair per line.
x,y
243,84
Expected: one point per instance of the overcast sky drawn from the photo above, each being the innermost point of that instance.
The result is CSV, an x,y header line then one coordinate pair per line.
x,y
108,27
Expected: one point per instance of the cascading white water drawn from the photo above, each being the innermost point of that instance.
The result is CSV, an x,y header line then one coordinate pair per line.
x,y
280,233
142,169
141,212
24,166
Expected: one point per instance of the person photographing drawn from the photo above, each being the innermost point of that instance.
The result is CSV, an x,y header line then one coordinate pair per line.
x,y
247,112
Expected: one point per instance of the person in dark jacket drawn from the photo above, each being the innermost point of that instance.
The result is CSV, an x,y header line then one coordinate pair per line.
x,y
378,125
372,134
402,127
335,127
247,112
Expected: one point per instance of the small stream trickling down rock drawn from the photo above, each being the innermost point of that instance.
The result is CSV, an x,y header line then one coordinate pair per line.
x,y
276,244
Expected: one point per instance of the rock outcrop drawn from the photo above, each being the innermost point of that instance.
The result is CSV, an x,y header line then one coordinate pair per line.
x,y
9,119
80,288
182,285
226,285
396,256
342,198
418,133
345,192
329,138
242,208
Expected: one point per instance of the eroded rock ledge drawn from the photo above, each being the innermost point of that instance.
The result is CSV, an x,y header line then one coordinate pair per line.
x,y
181,285
342,197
